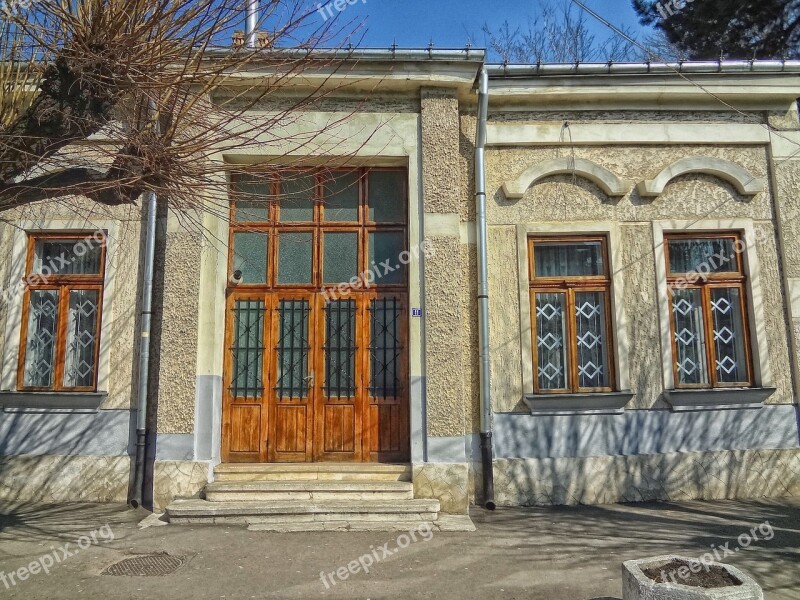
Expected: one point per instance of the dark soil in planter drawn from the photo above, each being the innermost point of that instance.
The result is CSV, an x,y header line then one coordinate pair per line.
x,y
708,577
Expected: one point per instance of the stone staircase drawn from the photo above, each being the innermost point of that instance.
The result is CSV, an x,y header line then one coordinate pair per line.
x,y
309,497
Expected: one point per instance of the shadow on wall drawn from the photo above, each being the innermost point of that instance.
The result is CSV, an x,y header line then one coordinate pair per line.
x,y
47,458
66,456
595,540
635,458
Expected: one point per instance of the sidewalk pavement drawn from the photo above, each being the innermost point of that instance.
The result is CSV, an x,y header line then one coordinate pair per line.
x,y
561,553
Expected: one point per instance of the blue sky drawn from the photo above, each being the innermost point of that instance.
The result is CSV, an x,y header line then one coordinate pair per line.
x,y
450,23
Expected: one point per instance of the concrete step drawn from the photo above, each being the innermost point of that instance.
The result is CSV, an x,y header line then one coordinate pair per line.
x,y
312,471
227,491
294,511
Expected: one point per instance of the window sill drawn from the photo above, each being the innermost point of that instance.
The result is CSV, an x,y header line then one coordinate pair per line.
x,y
604,403
48,402
717,399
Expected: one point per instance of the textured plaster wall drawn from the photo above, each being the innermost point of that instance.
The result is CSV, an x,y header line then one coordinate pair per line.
x,y
447,483
444,344
564,199
441,173
51,479
620,117
664,477
445,336
177,479
176,325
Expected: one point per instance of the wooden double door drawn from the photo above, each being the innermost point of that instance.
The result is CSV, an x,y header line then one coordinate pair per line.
x,y
311,377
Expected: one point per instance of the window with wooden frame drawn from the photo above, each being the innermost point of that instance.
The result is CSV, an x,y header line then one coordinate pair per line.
x,y
61,312
706,284
317,229
570,295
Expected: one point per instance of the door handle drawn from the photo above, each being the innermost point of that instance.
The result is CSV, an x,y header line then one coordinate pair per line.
x,y
310,379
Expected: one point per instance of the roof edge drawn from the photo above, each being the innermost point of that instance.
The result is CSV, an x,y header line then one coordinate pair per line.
x,y
510,71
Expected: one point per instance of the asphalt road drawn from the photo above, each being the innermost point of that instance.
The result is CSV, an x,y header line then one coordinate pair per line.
x,y
542,553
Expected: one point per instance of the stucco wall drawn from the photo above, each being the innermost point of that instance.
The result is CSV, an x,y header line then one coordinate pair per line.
x,y
445,340
673,477
175,326
564,199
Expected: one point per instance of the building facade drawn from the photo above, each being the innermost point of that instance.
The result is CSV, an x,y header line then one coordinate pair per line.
x,y
643,278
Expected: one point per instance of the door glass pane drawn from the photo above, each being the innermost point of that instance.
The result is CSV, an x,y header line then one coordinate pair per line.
x,y
387,203
385,248
248,349
41,343
252,196
340,349
297,198
76,256
568,259
250,256
730,355
292,349
551,336
79,360
341,197
590,328
385,347
341,257
690,337
294,258
699,255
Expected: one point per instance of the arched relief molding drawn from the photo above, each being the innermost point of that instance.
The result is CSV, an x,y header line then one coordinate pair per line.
x,y
612,185
744,182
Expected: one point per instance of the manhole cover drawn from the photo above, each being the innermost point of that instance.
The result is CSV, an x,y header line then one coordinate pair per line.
x,y
151,565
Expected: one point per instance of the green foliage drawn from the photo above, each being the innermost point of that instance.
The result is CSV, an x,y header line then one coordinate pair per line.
x,y
733,29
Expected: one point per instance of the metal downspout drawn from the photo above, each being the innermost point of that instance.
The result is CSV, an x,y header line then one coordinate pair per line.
x,y
252,23
483,290
144,351
145,327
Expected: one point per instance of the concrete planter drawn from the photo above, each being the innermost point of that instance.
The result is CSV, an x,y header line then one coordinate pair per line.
x,y
636,585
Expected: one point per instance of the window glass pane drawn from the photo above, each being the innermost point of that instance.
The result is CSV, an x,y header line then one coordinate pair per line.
x,y
341,257
297,198
248,348
82,334
341,197
250,256
293,349
568,259
590,328
252,196
690,337
730,356
340,349
294,257
385,347
385,248
387,203
551,331
75,256
41,343
702,256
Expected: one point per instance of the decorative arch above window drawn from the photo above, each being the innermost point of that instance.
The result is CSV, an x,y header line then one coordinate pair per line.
x,y
606,180
744,182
